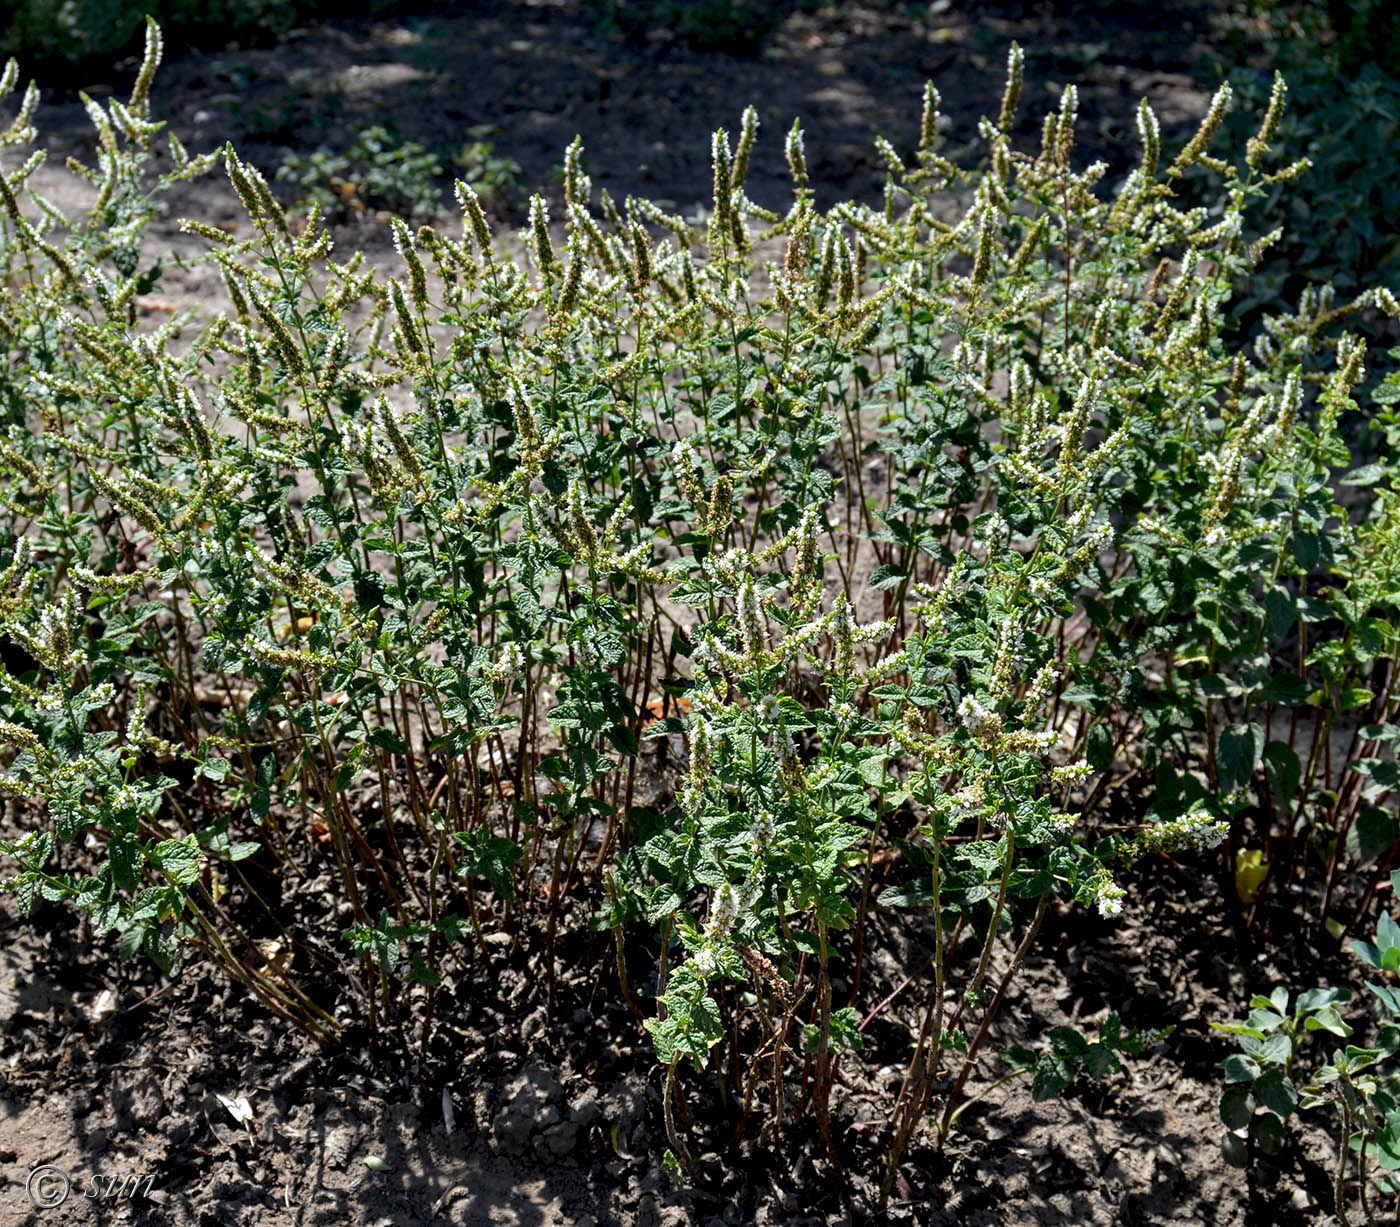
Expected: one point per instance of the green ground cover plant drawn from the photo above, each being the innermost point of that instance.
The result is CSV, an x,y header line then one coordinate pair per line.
x,y
1270,1078
382,173
752,590
378,171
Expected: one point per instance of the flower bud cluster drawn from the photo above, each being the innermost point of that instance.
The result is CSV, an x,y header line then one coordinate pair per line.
x,y
1108,897
1195,831
1041,687
982,723
701,759
1071,773
510,665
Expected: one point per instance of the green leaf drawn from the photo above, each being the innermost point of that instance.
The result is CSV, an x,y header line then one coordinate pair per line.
x,y
1239,1029
1386,997
178,859
491,857
985,854
381,942
1353,696
1285,771
1052,1074
911,894
1387,933
1237,1105
1315,999
1372,834
1240,748
1269,1134
1068,1042
1286,688
1327,1019
885,577
1315,609
1283,610
1240,1068
659,903
1099,751
1366,475
1019,1057
1368,952
1276,1092
1101,1061
1307,549
1234,1149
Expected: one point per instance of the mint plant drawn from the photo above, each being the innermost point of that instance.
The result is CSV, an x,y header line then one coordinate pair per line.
x,y
907,529
1070,1053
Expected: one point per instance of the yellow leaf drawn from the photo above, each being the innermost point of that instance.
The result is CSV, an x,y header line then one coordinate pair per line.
x,y
1250,871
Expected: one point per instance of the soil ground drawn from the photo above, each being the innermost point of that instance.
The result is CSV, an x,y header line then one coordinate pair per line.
x,y
516,1109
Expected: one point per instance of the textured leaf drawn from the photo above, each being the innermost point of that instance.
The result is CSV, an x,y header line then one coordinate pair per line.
x,y
1052,1074
1240,748
178,859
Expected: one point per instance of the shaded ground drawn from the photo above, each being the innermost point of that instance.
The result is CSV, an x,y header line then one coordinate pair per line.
x,y
511,1112
531,76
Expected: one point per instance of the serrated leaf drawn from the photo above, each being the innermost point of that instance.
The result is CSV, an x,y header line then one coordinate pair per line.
x,y
178,859
1068,1042
1372,834
1019,1057
885,577
1282,607
1052,1074
1366,475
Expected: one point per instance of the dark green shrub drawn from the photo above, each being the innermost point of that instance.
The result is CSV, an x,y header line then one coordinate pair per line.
x,y
1341,62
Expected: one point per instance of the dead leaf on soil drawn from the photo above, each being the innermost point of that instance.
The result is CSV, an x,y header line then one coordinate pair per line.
x,y
655,708
238,1107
